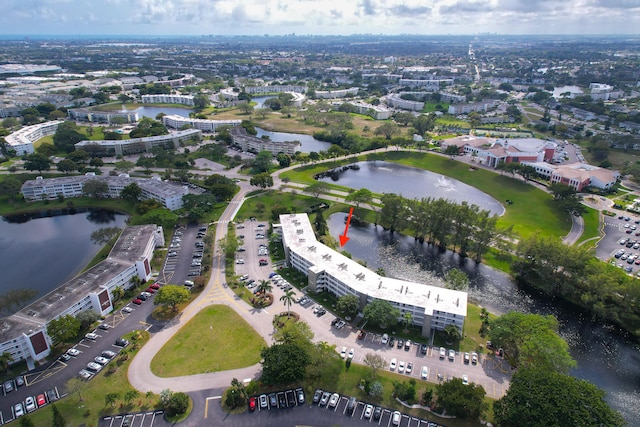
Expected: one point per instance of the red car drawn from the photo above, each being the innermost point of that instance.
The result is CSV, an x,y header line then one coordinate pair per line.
x,y
41,400
136,301
155,286
252,403
150,290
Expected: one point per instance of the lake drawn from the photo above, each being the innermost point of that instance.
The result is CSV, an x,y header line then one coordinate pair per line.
x,y
44,252
387,177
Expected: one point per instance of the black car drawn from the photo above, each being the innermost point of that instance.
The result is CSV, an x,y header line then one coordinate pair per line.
x,y
142,297
291,398
64,357
392,340
423,349
282,402
121,342
377,413
400,343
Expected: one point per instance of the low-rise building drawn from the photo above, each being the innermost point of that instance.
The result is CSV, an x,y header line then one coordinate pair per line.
x,y
167,193
395,100
22,140
250,143
264,89
481,106
93,116
124,147
205,125
336,93
432,307
577,175
492,152
168,99
24,334
375,111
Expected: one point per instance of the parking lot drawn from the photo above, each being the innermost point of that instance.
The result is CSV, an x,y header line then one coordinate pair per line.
x,y
184,254
141,419
621,244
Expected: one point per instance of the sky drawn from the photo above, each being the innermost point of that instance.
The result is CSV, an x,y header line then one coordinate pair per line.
x,y
323,17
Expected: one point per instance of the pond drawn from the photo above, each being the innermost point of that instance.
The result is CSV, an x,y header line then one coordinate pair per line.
x,y
605,357
386,177
42,252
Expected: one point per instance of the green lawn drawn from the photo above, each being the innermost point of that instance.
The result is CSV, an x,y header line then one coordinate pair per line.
x,y
591,225
85,406
216,339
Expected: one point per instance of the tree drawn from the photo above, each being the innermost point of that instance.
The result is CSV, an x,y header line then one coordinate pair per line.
x,y
67,166
172,295
452,332
131,192
236,395
96,162
407,317
362,195
26,422
263,161
95,188
348,304
245,107
5,360
531,340
375,362
288,298
58,419
566,197
424,123
317,188
456,279
78,156
87,318
66,136
262,180
388,130
178,404
283,364
130,396
124,166
539,397
298,333
37,162
460,400
63,329
393,212
380,312
10,186
264,287
110,399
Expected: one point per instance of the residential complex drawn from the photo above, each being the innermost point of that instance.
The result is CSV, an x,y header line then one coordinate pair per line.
x,y
338,93
126,147
205,125
376,111
107,117
251,143
394,100
263,90
577,175
167,193
22,140
168,99
481,106
431,307
24,334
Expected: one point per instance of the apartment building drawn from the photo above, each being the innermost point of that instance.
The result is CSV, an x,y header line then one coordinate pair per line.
x,y
432,307
265,89
168,194
138,145
250,143
481,106
205,125
91,116
337,93
375,111
168,99
426,84
394,100
24,334
22,140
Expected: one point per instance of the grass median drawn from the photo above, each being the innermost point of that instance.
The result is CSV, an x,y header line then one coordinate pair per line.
x,y
216,339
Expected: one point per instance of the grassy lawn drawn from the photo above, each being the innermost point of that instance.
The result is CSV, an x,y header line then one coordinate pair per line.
x,y
447,120
83,407
199,348
591,225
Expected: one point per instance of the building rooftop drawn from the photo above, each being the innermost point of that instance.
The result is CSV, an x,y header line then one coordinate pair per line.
x,y
298,234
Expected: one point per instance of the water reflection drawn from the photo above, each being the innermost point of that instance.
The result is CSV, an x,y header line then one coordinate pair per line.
x,y
605,357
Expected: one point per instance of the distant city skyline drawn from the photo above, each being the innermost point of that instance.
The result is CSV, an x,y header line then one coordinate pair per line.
x,y
322,17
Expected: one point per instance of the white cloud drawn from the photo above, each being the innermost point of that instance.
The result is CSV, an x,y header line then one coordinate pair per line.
x,y
318,16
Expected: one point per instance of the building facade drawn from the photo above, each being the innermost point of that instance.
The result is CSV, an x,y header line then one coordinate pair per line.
x,y
126,147
253,144
205,125
22,140
168,194
168,99
91,116
431,307
24,334
577,175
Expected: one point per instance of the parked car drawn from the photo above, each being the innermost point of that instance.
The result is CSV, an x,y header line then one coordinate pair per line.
x,y
94,367
252,403
121,342
465,379
423,349
64,357
150,290
30,403
443,352
368,411
407,345
377,413
467,358
41,400
393,364
108,354
263,401
385,339
335,398
351,353
325,398
19,381
73,352
474,358
351,405
104,326
317,396
136,301
91,336
452,355
409,368
101,360
300,394
401,367
396,417
18,410
273,400
155,286
424,374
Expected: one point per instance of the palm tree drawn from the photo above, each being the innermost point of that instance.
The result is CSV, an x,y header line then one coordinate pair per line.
x,y
130,395
287,299
264,287
117,292
110,399
5,359
452,332
408,318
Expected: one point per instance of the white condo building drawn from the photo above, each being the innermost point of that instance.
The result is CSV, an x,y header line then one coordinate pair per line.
x,y
22,140
327,270
24,334
168,194
137,145
168,99
205,125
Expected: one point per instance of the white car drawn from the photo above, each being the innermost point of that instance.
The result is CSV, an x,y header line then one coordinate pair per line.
x,y
239,261
474,358
351,353
465,379
101,360
409,368
30,403
396,418
108,354
443,352
335,398
368,410
424,374
91,336
343,352
17,410
393,364
452,355
93,366
385,339
127,309
73,352
401,367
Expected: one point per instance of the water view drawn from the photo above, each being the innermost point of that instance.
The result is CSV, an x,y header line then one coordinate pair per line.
x,y
604,356
152,112
386,177
309,143
41,253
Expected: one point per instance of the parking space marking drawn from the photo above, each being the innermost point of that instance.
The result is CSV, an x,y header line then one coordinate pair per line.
x,y
206,404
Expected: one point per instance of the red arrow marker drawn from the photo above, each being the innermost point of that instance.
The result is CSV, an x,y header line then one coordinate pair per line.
x,y
343,238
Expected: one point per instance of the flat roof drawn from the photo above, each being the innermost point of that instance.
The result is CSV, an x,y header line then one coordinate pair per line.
x,y
299,235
